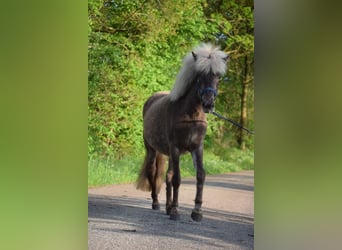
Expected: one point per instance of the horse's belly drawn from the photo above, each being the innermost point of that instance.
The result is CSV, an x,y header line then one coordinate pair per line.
x,y
184,136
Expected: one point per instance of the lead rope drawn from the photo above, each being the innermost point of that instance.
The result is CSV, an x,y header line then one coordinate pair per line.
x,y
233,122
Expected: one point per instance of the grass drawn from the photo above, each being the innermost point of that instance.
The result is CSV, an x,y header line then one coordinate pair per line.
x,y
103,171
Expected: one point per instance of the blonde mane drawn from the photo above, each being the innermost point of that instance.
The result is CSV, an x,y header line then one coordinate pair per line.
x,y
203,59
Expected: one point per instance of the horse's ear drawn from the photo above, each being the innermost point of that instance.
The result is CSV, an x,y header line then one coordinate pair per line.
x,y
225,58
194,55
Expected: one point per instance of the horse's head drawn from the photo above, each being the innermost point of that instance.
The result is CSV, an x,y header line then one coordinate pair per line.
x,y
211,68
202,69
207,86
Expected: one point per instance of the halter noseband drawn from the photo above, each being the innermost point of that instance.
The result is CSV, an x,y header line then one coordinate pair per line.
x,y
208,89
204,90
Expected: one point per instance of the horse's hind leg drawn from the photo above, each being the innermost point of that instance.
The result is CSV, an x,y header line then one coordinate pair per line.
x,y
157,179
173,180
197,157
151,173
147,180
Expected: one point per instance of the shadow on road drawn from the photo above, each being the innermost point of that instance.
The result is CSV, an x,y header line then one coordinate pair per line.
x,y
123,215
236,181
222,184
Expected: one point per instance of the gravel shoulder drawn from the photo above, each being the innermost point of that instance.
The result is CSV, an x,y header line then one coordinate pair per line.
x,y
120,217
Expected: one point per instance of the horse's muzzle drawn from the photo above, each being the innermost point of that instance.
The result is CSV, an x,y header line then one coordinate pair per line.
x,y
208,109
208,103
208,99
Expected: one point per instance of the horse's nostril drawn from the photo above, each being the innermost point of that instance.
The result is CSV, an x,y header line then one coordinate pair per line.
x,y
208,108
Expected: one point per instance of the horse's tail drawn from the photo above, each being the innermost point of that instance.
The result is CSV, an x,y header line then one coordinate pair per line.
x,y
154,172
142,181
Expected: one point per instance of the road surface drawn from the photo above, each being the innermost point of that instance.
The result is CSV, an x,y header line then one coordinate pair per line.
x,y
120,217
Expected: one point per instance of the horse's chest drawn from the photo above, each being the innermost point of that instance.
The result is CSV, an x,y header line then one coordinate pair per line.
x,y
189,135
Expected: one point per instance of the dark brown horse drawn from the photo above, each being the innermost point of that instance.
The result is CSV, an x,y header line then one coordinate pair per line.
x,y
175,123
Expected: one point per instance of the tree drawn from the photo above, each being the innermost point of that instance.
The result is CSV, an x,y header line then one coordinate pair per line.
x,y
236,27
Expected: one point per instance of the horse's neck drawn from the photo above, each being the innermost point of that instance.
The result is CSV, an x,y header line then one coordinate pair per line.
x,y
191,104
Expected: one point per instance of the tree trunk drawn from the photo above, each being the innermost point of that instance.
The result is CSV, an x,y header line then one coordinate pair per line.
x,y
244,95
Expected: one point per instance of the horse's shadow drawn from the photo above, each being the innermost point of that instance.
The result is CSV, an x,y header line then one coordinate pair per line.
x,y
132,215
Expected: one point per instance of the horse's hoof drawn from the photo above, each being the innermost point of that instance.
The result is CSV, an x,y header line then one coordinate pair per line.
x,y
156,206
174,216
168,211
196,215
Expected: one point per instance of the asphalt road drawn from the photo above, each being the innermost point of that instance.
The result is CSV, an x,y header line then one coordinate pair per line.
x,y
120,217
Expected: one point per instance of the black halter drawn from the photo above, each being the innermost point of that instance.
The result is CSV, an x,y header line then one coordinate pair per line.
x,y
208,89
205,90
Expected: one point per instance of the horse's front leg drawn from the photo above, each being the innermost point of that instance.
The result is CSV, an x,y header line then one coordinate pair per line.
x,y
173,180
197,158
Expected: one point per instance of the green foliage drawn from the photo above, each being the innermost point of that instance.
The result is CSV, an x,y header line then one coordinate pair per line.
x,y
135,49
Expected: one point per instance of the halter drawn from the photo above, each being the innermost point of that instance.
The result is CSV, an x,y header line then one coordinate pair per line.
x,y
208,89
205,90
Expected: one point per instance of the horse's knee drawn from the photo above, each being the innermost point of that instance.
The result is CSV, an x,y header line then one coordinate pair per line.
x,y
169,178
176,180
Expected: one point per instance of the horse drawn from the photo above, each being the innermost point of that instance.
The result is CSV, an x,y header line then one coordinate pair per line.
x,y
175,123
